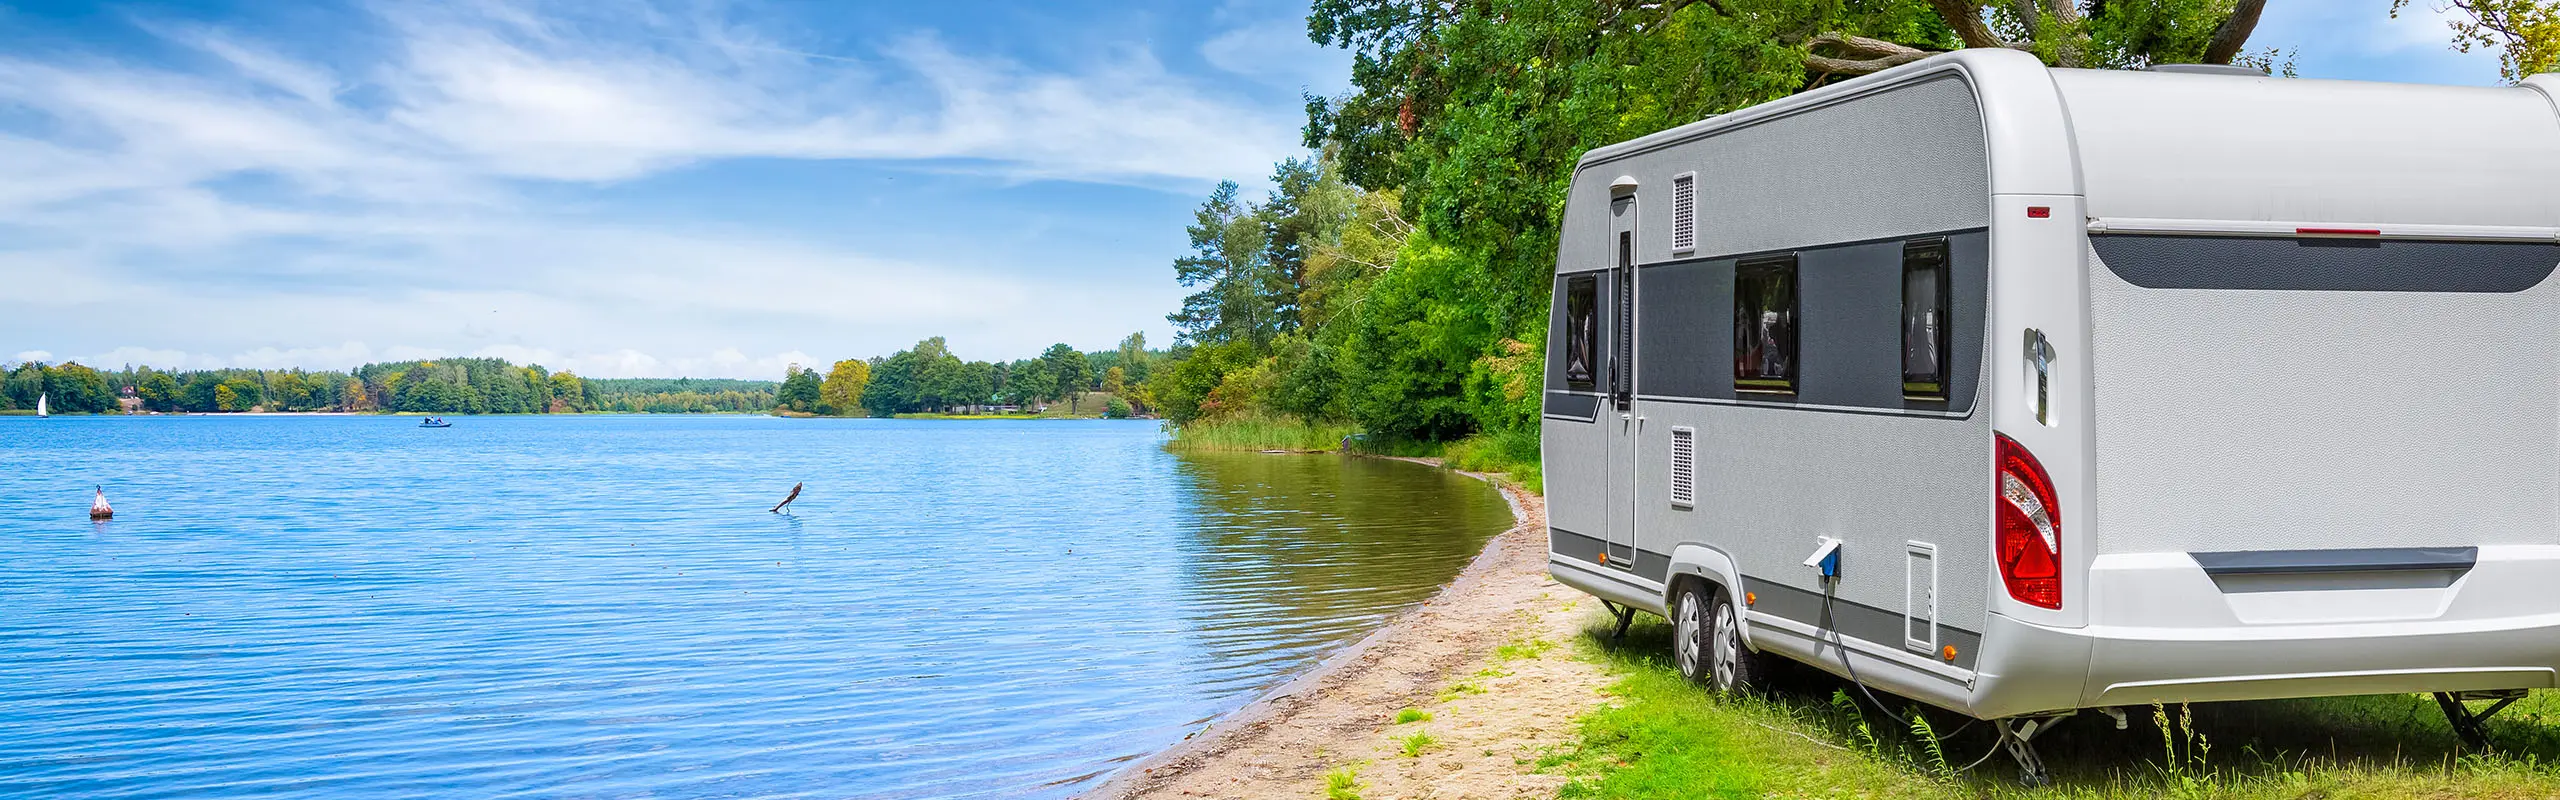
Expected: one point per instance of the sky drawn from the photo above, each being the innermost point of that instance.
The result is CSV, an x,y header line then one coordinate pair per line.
x,y
634,188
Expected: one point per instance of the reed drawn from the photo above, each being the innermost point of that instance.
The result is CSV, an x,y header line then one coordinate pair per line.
x,y
1259,432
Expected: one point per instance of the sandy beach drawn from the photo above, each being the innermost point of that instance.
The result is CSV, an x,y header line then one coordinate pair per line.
x,y
1488,659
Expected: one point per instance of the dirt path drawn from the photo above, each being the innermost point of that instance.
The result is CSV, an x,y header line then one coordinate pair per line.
x,y
1489,659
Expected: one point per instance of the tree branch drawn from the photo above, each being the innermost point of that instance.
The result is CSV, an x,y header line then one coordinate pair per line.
x,y
2228,39
1965,16
1863,55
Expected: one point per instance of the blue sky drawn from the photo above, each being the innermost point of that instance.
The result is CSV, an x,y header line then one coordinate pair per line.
x,y
632,188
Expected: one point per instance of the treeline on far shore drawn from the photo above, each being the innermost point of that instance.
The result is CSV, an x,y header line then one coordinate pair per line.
x,y
441,386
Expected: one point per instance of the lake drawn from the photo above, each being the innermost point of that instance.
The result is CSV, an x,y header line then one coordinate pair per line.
x,y
601,606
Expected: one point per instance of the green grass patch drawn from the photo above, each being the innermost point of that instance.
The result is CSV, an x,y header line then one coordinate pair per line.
x,y
1343,784
1665,737
1511,454
1460,689
1412,715
1258,432
1414,745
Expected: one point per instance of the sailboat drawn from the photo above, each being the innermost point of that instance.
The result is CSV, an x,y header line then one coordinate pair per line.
x,y
43,409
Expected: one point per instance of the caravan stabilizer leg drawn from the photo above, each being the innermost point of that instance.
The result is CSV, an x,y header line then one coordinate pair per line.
x,y
1626,616
2466,722
2018,735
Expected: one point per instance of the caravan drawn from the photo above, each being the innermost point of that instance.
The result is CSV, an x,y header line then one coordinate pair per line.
x,y
2019,391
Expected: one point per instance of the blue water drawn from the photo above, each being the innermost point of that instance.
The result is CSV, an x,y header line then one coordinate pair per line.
x,y
602,606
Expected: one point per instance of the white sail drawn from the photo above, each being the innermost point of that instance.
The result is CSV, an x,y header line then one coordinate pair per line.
x,y
41,407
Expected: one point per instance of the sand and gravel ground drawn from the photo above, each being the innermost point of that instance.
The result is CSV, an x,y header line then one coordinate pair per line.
x,y
1490,659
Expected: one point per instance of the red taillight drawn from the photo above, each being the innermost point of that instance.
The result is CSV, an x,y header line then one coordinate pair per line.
x,y
2028,540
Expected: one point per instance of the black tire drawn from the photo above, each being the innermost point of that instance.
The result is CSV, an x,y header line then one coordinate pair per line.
x,y
1706,642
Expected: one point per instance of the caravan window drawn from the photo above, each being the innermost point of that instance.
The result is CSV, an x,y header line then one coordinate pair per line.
x,y
1581,328
1924,319
1764,325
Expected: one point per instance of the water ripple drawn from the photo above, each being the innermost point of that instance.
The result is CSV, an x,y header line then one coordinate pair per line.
x,y
598,606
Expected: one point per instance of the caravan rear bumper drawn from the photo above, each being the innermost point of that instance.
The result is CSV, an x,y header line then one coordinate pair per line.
x,y
2168,632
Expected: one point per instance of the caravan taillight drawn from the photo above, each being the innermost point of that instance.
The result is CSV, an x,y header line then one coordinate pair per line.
x,y
2028,539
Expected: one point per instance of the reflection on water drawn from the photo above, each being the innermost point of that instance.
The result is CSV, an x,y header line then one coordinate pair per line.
x,y
1292,555
592,606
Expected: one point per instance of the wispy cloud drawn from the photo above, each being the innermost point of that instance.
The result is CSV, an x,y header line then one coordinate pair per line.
x,y
247,190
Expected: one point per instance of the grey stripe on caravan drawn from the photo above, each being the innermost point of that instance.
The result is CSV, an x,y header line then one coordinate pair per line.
x,y
1882,412
2320,264
2226,227
1581,547
1865,623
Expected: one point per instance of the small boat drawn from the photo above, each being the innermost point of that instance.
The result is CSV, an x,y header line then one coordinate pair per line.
x,y
43,409
434,422
98,508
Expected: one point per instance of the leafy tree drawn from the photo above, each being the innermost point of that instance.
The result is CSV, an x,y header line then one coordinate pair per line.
x,y
1066,366
568,393
1116,408
801,389
353,397
977,384
2526,33
841,393
1238,289
159,392
1134,357
1115,381
78,389
236,394
1027,382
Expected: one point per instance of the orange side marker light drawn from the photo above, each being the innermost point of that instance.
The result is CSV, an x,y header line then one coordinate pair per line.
x,y
1750,598
1948,652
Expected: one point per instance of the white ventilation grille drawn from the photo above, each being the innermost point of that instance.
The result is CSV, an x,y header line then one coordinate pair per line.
x,y
1684,467
1684,213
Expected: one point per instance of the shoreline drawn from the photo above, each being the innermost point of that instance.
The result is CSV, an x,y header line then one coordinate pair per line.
x,y
1474,656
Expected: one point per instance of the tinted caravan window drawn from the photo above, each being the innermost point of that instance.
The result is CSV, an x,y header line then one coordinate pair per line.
x,y
1925,318
1581,328
1764,326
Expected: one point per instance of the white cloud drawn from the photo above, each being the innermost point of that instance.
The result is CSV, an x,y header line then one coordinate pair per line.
x,y
232,207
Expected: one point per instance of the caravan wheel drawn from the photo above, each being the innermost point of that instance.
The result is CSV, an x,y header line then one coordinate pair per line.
x,y
1707,641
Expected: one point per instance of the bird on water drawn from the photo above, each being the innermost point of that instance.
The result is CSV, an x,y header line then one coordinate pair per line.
x,y
795,495
98,508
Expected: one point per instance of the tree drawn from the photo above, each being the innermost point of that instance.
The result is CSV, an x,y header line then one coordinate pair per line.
x,y
1115,381
353,397
1027,382
1228,263
568,393
976,385
78,389
842,391
2526,33
800,389
1066,366
1134,356
159,392
236,394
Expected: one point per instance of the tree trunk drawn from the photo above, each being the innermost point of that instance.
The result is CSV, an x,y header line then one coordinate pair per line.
x,y
2234,33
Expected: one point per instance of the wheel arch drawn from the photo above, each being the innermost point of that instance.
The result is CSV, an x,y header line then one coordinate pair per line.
x,y
1698,563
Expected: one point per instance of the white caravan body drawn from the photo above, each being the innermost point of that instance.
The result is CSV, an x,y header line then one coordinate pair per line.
x,y
2287,353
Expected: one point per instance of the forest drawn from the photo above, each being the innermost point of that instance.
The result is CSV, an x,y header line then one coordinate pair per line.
x,y
442,386
929,378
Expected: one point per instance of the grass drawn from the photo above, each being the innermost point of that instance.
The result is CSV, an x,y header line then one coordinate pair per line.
x,y
1413,745
1343,784
1412,715
1664,737
1260,432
